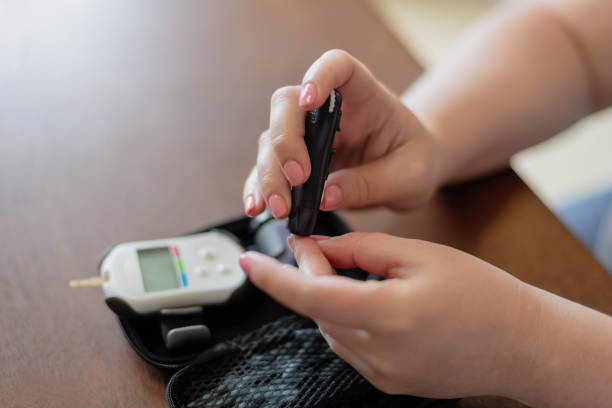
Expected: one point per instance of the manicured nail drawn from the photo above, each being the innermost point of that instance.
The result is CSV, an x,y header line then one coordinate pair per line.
x,y
277,206
245,263
294,173
320,237
332,197
291,242
308,94
249,205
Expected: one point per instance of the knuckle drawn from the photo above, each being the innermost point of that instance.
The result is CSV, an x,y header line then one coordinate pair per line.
x,y
363,189
277,141
265,177
263,139
336,53
379,237
283,94
356,236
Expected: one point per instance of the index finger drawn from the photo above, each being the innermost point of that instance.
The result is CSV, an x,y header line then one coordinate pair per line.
x,y
331,298
309,256
336,69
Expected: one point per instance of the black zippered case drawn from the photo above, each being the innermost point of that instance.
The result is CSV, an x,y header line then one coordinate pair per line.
x,y
257,324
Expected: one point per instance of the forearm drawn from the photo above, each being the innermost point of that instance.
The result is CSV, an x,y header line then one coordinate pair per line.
x,y
567,359
517,77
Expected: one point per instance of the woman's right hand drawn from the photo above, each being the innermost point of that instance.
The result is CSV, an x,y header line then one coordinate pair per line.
x,y
384,154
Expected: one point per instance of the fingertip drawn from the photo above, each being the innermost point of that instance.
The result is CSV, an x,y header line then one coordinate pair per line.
x,y
253,205
254,263
277,205
298,246
332,198
294,173
249,205
245,263
291,242
308,95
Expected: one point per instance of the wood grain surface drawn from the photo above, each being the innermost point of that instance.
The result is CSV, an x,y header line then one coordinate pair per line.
x,y
136,120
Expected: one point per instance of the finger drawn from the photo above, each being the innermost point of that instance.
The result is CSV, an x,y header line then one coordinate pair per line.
x,y
348,355
359,340
309,256
373,183
287,134
272,183
335,299
377,253
254,203
336,69
314,237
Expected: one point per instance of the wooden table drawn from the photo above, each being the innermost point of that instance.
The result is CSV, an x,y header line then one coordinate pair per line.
x,y
133,120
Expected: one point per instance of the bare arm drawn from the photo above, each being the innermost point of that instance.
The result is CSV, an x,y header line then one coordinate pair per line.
x,y
517,77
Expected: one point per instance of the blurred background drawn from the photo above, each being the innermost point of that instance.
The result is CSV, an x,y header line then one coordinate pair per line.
x,y
572,172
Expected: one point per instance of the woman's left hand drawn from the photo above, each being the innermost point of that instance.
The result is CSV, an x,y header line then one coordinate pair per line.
x,y
443,323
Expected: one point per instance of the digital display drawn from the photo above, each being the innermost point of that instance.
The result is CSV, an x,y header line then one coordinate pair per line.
x,y
158,269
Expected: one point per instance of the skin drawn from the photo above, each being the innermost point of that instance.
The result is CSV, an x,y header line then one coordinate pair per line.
x,y
443,323
520,75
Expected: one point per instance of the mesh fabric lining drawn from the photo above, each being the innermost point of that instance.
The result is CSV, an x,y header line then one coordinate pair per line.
x,y
285,363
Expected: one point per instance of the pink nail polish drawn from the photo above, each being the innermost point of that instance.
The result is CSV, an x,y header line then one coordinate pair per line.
x,y
332,198
294,173
249,205
277,206
308,94
291,242
245,263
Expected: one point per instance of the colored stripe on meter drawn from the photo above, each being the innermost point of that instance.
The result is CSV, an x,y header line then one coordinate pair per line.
x,y
179,262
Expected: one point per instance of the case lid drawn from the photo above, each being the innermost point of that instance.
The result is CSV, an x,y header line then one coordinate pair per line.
x,y
249,311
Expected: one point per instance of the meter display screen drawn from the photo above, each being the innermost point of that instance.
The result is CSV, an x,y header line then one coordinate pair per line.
x,y
158,269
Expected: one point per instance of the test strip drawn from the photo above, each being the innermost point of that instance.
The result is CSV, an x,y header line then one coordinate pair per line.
x,y
93,281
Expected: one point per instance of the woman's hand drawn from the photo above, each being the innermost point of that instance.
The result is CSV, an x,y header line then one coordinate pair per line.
x,y
384,155
443,323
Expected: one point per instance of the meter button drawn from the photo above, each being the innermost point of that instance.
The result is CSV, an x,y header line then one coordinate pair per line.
x,y
206,253
224,269
201,271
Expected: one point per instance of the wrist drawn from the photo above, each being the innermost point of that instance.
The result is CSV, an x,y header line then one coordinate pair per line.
x,y
565,361
521,344
443,152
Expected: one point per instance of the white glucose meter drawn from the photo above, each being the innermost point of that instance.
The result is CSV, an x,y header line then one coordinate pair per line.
x,y
148,276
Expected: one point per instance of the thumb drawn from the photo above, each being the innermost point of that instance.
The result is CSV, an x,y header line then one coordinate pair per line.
x,y
378,182
377,253
309,256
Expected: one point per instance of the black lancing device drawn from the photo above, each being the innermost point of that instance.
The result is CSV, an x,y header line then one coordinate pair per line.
x,y
320,129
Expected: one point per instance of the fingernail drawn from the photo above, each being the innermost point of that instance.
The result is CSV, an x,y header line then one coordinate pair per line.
x,y
291,242
249,205
245,263
320,237
308,94
294,173
277,206
332,197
